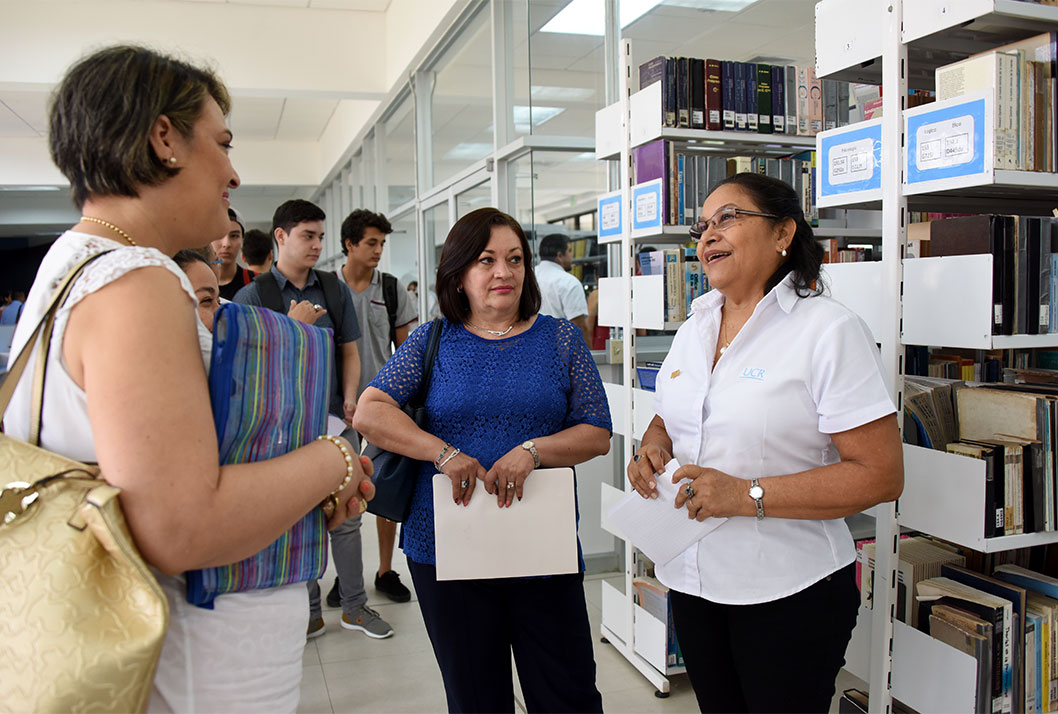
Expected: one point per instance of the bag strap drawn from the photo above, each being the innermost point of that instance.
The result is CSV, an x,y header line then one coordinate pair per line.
x,y
332,296
389,296
268,292
428,359
42,334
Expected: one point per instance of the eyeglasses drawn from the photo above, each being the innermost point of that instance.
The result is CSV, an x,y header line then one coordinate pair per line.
x,y
724,219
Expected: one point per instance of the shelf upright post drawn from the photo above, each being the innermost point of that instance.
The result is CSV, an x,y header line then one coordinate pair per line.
x,y
894,216
624,88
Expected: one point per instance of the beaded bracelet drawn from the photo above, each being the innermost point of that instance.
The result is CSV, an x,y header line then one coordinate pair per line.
x,y
442,454
348,461
451,456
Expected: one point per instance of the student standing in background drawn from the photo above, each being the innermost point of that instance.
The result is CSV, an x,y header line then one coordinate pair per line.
x,y
561,294
257,251
386,310
230,275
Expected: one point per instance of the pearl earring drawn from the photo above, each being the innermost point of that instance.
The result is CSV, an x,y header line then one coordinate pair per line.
x,y
784,252
172,159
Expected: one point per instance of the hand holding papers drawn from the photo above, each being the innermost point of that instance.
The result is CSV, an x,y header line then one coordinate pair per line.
x,y
537,536
657,528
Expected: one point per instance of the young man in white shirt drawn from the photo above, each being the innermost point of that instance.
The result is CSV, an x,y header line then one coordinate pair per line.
x,y
561,294
386,311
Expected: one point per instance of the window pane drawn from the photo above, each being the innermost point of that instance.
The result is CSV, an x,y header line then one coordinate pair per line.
x,y
461,102
478,197
399,174
402,249
436,225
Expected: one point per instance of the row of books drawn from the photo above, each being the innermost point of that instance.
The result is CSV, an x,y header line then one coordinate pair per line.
x,y
683,276
722,95
689,177
949,363
1024,252
834,253
1022,77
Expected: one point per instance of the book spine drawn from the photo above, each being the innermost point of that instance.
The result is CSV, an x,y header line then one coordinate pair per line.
x,y
651,71
697,67
681,187
714,97
683,93
803,125
740,96
843,103
830,103
673,285
778,101
790,98
752,117
815,102
727,79
669,95
764,110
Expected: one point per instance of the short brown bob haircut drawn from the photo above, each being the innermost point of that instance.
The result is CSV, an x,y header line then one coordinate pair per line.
x,y
103,111
464,244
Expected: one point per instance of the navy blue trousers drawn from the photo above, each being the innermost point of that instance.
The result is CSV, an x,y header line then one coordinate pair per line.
x,y
474,625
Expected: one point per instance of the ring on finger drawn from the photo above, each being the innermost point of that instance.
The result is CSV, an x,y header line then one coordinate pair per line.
x,y
464,483
317,307
689,490
510,484
637,457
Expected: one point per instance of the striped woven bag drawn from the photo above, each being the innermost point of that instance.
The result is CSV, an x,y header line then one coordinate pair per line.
x,y
269,383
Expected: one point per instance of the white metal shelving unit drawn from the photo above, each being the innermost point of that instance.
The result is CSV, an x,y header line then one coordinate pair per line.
x,y
633,302
934,301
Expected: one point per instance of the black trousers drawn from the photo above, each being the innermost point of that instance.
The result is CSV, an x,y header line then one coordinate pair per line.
x,y
475,624
780,656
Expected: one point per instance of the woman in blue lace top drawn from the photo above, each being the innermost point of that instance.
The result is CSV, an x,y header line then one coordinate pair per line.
x,y
511,390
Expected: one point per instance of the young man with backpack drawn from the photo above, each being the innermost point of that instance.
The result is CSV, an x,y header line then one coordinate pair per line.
x,y
385,310
293,286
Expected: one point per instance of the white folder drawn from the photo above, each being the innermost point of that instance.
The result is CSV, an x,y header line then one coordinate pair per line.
x,y
535,536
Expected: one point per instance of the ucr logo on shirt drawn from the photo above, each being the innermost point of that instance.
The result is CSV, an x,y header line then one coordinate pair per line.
x,y
755,373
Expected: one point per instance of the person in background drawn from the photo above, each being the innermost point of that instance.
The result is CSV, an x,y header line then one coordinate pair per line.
x,y
257,251
512,391
203,283
413,288
13,310
142,138
561,294
772,402
385,310
230,275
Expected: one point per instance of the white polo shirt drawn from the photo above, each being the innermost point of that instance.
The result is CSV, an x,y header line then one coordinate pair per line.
x,y
561,294
799,370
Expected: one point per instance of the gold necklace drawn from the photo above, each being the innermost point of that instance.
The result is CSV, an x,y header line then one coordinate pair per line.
x,y
498,333
727,342
111,226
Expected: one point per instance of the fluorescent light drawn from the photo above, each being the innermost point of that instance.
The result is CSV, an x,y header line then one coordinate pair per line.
x,y
587,17
563,94
715,5
469,151
539,115
30,188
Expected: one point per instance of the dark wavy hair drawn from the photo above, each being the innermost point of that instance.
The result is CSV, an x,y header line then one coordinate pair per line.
x,y
102,113
464,244
356,222
805,255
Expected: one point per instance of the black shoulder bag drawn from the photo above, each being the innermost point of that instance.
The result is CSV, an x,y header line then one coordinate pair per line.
x,y
395,474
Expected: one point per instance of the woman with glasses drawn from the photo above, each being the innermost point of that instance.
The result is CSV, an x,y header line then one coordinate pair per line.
x,y
772,403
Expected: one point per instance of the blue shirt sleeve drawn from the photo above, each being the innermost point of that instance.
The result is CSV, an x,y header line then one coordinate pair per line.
x,y
349,330
587,401
247,295
401,375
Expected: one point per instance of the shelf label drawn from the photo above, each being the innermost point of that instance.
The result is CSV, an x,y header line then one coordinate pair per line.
x,y
611,216
647,205
851,161
949,140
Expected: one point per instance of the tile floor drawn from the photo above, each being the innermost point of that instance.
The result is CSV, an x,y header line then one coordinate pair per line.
x,y
346,671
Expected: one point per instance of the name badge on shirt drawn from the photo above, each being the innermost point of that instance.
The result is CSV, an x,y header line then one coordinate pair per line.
x,y
674,374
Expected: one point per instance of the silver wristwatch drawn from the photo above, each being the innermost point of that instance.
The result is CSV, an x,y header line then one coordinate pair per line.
x,y
531,448
757,493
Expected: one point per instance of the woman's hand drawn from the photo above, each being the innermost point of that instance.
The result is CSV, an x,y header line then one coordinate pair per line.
x,y
709,493
644,467
352,500
464,472
506,478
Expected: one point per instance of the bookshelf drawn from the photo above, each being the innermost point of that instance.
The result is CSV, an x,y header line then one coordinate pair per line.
x,y
632,302
929,301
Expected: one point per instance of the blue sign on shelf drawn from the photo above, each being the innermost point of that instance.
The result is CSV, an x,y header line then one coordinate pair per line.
x,y
611,216
948,141
647,205
850,160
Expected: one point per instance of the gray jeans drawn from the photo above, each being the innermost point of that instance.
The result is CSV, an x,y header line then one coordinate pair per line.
x,y
347,552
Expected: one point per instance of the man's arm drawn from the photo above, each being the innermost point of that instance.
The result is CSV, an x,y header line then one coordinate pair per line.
x,y
581,321
350,379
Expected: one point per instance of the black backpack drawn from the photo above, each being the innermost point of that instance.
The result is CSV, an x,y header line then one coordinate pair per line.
x,y
268,292
389,294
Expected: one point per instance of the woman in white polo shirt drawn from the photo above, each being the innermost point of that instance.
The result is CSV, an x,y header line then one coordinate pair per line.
x,y
773,403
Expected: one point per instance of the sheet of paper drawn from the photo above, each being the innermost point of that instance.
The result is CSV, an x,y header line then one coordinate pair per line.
x,y
335,426
655,526
535,536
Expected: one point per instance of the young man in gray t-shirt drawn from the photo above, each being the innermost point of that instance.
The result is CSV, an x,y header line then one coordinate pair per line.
x,y
363,238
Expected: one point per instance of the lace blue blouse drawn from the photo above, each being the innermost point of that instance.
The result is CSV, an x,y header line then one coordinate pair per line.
x,y
488,396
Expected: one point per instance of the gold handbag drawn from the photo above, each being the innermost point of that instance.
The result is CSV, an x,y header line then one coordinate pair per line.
x,y
82,618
